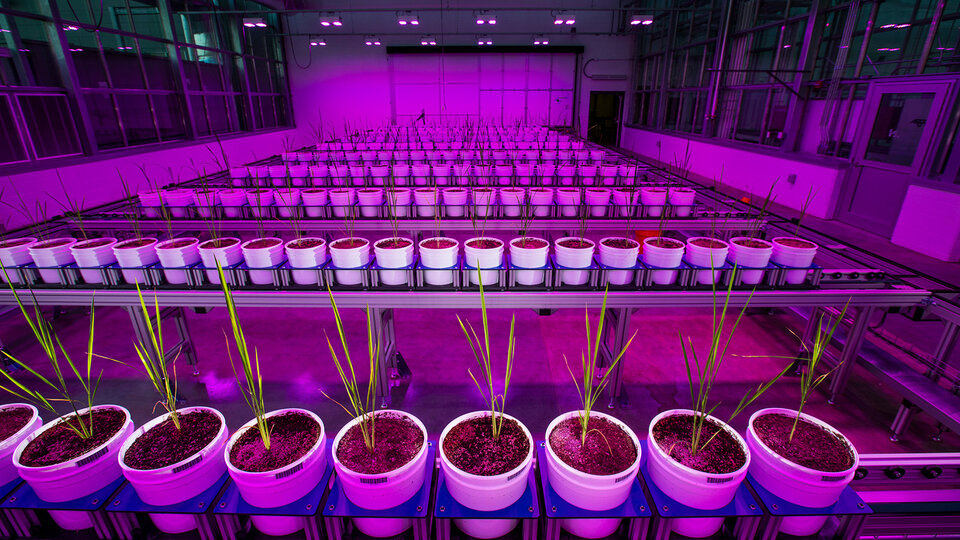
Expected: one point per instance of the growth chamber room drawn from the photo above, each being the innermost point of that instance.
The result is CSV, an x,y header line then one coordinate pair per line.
x,y
453,269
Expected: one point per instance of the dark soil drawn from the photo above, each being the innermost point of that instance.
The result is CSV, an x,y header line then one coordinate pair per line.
x,y
608,449
482,190
52,243
257,191
393,243
456,190
369,190
263,243
751,243
723,455
14,243
177,244
131,244
655,190
12,420
60,443
439,243
484,243
306,243
620,243
796,243
218,243
397,440
665,243
575,243
164,444
812,446
708,243
291,436
313,191
348,243
530,243
92,243
470,447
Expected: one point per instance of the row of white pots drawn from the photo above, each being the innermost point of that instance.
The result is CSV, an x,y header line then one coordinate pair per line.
x,y
177,482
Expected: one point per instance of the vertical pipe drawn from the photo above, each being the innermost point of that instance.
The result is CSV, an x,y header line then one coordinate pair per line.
x,y
718,74
931,36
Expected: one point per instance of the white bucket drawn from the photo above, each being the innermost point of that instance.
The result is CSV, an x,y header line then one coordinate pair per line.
x,y
178,257
260,174
232,200
342,201
625,200
398,201
260,201
546,171
588,174
440,258
50,254
511,200
278,175
349,257
206,202
318,174
574,258
485,493
85,474
314,200
654,198
704,491
100,254
568,199
308,257
663,257
279,487
371,199
298,175
616,257
746,257
8,473
794,257
482,258
393,258
542,201
262,257
590,492
287,201
384,490
454,200
426,201
135,258
239,175
598,199
178,201
179,481
150,201
566,174
15,252
682,199
227,255
529,257
706,257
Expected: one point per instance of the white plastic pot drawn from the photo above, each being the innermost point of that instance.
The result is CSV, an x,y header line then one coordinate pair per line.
x,y
133,259
8,472
566,174
314,200
794,257
384,490
279,487
625,201
206,201
179,481
420,172
542,201
228,255
483,201
482,258
378,173
393,258
260,175
697,489
529,257
442,261
616,257
15,252
511,199
398,201
85,474
232,200
51,254
239,175
371,199
262,257
178,257
588,174
654,199
485,493
298,175
260,201
278,175
591,492
746,257
426,201
608,175
568,199
598,199
454,200
177,201
663,257
574,258
309,257
342,201
101,254
682,200
524,173
546,171
318,174
287,201
706,257
150,202
352,257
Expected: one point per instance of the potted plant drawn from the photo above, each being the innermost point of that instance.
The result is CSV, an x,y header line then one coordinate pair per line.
x,y
486,455
706,252
350,253
654,200
625,199
663,252
380,456
342,200
542,200
288,201
371,199
394,252
176,254
277,457
232,201
454,200
792,252
175,456
575,252
748,253
483,200
619,253
15,252
512,200
75,454
592,457
314,199
425,199
597,200
528,252
51,254
568,199
681,199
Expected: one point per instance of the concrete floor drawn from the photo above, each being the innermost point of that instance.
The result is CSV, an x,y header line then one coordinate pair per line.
x,y
297,366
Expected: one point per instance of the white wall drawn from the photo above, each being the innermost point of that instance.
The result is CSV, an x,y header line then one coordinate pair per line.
x,y
746,170
612,56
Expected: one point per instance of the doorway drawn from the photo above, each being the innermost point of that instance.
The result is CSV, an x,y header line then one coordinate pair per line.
x,y
899,129
606,109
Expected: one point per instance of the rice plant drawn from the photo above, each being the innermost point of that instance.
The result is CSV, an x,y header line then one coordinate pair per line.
x,y
154,360
70,206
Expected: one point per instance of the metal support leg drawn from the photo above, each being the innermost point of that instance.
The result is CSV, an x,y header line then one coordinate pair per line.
x,y
902,420
383,326
183,347
850,353
941,355
619,322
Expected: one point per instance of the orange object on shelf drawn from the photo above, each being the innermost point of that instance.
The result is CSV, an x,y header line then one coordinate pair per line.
x,y
643,235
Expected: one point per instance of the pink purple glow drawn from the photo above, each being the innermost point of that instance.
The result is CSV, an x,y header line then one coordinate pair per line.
x,y
650,21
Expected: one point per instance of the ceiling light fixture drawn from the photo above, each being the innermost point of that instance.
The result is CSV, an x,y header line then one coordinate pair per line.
x,y
485,17
484,40
540,39
330,19
428,41
254,22
564,17
318,42
405,18
371,41
638,20
71,27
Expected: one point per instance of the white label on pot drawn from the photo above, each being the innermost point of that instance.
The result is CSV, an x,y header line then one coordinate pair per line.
x,y
712,480
288,472
187,465
514,475
90,459
622,478
832,478
381,480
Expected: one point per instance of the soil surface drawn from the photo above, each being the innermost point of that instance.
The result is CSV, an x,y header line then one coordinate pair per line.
x,y
60,443
485,243
291,436
52,243
12,420
608,449
397,440
165,445
177,244
575,243
796,243
14,243
305,243
313,191
348,243
752,243
393,243
482,190
723,455
90,244
371,190
455,190
132,244
218,243
665,243
257,191
438,243
620,243
708,243
655,190
263,243
530,243
812,446
470,447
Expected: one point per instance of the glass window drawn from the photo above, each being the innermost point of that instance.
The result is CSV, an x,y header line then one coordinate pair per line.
x,y
898,127
103,116
51,125
11,142
753,103
136,113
